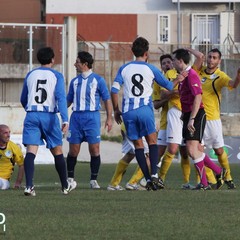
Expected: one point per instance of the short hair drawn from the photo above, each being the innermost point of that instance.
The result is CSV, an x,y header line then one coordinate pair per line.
x,y
140,46
162,57
216,50
45,55
86,57
182,54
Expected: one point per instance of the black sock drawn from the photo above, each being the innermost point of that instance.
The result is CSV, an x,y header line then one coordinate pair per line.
x,y
60,166
141,159
29,168
71,163
153,156
94,166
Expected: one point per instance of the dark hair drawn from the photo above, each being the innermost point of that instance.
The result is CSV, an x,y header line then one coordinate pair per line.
x,y
140,46
162,57
45,55
215,50
182,54
86,57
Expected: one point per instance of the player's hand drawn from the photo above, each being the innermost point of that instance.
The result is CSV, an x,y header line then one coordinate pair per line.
x,y
117,116
108,124
64,128
17,185
182,75
191,127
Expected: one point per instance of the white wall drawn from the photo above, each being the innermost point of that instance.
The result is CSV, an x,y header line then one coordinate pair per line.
x,y
109,6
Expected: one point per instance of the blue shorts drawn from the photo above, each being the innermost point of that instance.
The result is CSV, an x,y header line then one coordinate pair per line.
x,y
39,126
139,122
84,127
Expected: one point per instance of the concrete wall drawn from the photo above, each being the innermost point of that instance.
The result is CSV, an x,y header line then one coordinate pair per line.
x,y
13,116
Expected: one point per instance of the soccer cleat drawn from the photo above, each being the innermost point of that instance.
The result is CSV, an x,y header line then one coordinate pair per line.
x,y
71,184
187,186
230,184
158,182
29,191
220,178
115,188
201,187
161,184
130,186
94,184
150,186
143,182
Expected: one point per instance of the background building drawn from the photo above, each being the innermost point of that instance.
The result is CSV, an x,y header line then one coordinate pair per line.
x,y
106,29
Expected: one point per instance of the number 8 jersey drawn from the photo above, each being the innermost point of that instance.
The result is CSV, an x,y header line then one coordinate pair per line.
x,y
44,91
137,79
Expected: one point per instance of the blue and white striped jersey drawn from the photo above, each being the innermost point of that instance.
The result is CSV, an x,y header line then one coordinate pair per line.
x,y
44,91
86,92
137,78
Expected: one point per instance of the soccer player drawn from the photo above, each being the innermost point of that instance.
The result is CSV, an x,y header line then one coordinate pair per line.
x,y
85,93
137,78
194,119
129,153
43,95
213,81
10,154
170,133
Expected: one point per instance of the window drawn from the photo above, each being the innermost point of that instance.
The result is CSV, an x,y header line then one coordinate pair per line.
x,y
163,29
205,28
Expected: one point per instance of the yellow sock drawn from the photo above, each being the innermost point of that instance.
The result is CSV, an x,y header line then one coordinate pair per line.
x,y
166,163
197,176
186,169
137,176
210,176
118,174
223,160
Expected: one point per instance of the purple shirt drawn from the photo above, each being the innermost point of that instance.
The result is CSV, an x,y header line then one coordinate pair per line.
x,y
188,89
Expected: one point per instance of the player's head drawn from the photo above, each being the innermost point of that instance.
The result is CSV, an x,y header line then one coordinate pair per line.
x,y
216,51
45,55
140,47
4,134
181,58
213,59
166,62
85,58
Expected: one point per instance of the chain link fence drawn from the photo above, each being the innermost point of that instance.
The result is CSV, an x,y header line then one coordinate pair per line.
x,y
19,43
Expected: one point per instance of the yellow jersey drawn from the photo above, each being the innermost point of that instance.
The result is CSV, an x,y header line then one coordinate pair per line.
x,y
174,101
157,96
212,85
8,157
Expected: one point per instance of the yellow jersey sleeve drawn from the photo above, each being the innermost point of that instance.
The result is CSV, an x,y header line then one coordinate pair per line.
x,y
174,101
8,157
157,96
212,85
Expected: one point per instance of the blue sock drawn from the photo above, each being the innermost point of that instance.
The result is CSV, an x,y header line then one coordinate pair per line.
x,y
29,168
71,163
141,159
60,166
94,166
153,156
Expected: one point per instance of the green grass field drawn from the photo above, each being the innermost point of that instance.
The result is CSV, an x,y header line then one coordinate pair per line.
x,y
99,214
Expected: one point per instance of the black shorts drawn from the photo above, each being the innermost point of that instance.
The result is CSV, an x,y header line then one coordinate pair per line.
x,y
199,124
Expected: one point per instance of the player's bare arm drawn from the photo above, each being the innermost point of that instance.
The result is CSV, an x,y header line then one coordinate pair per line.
x,y
108,123
117,112
235,83
199,57
20,175
180,77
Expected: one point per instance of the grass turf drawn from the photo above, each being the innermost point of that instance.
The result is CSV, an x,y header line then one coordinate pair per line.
x,y
100,214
